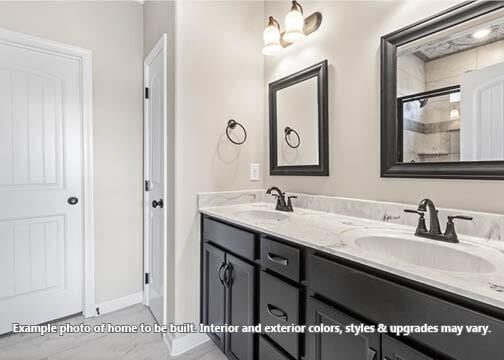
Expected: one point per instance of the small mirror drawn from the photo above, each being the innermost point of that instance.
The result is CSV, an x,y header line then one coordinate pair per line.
x,y
298,123
448,103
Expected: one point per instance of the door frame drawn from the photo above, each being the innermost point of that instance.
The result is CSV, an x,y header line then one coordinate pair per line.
x,y
84,57
160,47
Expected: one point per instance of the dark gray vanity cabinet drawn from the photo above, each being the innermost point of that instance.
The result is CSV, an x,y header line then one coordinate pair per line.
x,y
228,287
335,346
250,278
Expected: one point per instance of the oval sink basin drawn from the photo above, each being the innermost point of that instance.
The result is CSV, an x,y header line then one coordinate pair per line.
x,y
425,254
262,215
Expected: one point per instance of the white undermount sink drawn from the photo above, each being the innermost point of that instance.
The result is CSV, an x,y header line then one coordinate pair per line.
x,y
260,214
424,254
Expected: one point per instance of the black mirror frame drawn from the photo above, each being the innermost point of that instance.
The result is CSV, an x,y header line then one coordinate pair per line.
x,y
390,152
319,70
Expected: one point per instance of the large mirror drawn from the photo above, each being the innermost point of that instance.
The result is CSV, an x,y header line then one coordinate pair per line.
x,y
298,123
443,95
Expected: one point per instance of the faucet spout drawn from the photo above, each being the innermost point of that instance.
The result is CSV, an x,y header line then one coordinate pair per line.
x,y
428,204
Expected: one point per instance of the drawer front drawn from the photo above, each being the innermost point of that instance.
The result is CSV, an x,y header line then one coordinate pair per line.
x,y
281,258
237,241
382,301
268,351
279,305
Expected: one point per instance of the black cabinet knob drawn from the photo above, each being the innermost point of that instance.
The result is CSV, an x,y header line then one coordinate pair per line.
x,y
73,200
159,203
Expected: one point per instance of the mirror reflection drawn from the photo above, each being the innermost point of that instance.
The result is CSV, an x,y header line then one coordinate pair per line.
x,y
450,94
297,124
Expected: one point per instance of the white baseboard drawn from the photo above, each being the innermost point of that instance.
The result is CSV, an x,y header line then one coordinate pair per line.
x,y
179,345
120,303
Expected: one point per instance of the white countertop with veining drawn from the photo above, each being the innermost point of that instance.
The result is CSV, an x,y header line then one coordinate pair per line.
x,y
335,234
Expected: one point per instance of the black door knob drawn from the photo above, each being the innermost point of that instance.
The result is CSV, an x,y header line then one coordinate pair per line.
x,y
159,203
73,200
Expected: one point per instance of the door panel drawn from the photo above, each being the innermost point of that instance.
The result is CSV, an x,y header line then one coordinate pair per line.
x,y
214,299
154,174
240,278
41,167
482,121
37,242
333,346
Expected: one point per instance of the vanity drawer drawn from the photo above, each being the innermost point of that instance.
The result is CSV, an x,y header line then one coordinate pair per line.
x,y
268,351
237,241
281,258
279,305
389,303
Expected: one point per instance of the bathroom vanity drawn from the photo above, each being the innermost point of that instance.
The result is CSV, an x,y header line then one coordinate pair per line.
x,y
261,266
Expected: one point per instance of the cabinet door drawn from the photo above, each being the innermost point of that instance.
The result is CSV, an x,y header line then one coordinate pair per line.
x,y
214,299
395,350
333,346
240,280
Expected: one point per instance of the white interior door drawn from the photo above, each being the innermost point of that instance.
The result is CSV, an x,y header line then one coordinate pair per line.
x,y
155,185
40,169
482,114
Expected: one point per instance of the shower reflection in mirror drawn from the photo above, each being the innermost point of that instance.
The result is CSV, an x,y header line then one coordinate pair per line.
x,y
450,94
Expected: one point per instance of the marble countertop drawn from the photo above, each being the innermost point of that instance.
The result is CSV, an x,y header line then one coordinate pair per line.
x,y
336,234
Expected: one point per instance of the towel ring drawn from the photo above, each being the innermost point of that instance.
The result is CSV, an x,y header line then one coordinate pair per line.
x,y
288,131
232,125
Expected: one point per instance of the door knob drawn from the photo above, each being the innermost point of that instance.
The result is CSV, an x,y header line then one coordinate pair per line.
x,y
73,200
159,203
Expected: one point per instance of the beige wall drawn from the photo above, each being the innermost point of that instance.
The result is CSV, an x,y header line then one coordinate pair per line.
x,y
219,76
350,39
113,31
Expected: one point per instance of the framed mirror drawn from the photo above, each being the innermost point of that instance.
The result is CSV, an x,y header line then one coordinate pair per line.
x,y
442,95
298,113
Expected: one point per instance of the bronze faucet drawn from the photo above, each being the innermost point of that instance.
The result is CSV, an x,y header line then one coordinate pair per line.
x,y
434,231
281,204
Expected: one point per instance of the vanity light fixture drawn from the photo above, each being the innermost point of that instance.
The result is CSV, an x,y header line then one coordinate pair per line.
x,y
482,33
297,28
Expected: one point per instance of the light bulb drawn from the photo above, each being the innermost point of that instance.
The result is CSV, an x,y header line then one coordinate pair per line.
x,y
294,24
271,36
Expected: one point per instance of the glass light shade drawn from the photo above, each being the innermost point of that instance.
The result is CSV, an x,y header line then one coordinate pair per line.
x,y
454,114
271,36
294,24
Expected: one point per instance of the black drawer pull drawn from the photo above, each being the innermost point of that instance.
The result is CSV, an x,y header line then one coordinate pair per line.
x,y
278,259
277,312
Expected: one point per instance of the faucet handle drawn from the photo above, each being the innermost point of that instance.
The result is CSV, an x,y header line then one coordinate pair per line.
x,y
459,217
421,227
289,202
421,213
450,232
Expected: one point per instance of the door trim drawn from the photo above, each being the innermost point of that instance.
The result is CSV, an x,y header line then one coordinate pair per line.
x,y
84,57
160,47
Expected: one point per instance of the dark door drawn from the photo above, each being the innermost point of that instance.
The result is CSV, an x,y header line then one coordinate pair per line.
x,y
394,350
239,278
214,299
334,346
